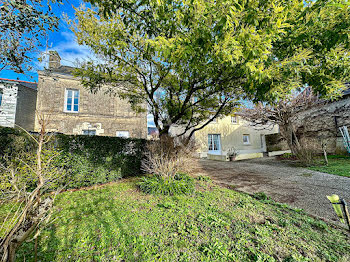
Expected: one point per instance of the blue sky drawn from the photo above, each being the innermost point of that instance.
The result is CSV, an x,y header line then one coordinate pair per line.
x,y
62,41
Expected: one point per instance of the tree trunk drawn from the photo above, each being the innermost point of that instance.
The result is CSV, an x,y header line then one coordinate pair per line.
x,y
288,133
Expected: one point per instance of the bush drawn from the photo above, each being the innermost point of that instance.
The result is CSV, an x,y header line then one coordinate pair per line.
x,y
168,157
81,160
179,184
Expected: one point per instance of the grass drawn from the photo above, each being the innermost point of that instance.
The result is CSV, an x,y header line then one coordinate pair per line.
x,y
338,165
117,222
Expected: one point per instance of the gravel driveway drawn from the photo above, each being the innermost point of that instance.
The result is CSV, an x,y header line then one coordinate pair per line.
x,y
299,187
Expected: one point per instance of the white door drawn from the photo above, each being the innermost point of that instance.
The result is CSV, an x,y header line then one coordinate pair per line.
x,y
214,145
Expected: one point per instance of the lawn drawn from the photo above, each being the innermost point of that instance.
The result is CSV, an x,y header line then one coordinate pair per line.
x,y
117,222
338,165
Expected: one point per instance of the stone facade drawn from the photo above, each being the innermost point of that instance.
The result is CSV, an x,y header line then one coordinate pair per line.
x,y
17,104
98,113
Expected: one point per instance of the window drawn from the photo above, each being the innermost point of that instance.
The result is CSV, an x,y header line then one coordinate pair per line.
x,y
124,134
214,142
1,93
89,132
72,101
246,139
234,119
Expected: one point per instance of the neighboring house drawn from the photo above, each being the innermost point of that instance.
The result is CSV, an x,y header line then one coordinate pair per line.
x,y
232,135
17,103
72,109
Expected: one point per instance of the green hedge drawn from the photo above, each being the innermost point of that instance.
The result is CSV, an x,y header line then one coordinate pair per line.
x,y
86,160
112,152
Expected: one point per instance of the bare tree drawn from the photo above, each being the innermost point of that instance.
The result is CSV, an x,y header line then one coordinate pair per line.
x,y
31,209
284,113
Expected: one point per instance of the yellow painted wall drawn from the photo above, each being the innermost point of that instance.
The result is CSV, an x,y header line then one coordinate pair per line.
x,y
231,135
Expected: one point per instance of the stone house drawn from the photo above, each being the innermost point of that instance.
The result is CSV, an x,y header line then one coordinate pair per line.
x,y
17,103
232,134
72,109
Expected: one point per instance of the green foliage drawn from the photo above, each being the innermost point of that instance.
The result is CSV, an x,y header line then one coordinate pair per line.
x,y
203,56
23,25
261,196
337,165
177,185
113,153
78,161
203,178
117,222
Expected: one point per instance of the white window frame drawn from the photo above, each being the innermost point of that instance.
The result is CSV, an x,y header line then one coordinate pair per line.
x,y
234,122
66,98
211,140
122,133
248,140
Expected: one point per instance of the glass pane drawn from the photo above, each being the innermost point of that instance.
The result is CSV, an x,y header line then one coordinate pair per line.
x,y
210,144
245,139
216,142
69,104
76,101
69,100
0,96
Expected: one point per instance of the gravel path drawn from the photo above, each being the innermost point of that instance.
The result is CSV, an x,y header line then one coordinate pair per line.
x,y
299,187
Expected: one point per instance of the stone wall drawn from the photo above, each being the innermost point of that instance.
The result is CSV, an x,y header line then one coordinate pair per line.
x,y
316,125
25,110
8,104
323,122
99,111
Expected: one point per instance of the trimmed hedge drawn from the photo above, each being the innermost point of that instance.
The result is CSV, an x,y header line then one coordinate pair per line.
x,y
125,154
86,160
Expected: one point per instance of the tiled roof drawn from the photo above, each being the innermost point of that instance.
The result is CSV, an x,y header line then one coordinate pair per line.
x,y
28,84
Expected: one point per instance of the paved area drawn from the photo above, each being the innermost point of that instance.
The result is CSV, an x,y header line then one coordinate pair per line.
x,y
296,186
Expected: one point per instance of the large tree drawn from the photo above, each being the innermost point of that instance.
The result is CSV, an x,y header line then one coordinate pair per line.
x,y
192,61
23,25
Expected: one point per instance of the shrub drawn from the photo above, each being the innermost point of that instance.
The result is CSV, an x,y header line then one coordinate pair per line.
x,y
168,157
179,184
81,160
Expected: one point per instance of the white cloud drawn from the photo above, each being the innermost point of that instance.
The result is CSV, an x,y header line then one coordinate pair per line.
x,y
69,50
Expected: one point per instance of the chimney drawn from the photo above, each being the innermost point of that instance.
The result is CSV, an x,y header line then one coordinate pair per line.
x,y
54,60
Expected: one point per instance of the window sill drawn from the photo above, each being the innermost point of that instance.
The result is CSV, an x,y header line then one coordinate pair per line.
x,y
218,152
71,112
247,144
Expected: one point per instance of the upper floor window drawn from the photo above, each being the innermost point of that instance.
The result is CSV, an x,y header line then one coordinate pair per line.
x,y
234,119
72,100
1,93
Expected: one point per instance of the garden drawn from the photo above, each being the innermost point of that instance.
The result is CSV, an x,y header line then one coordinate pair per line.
x,y
151,209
